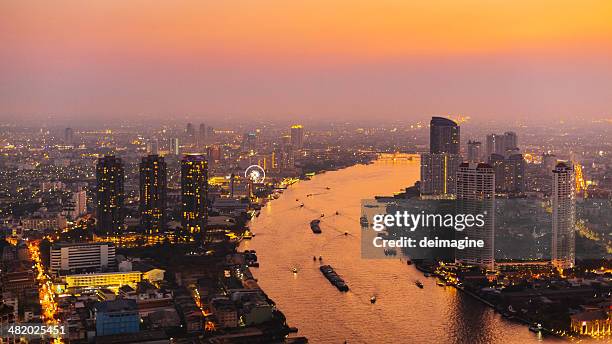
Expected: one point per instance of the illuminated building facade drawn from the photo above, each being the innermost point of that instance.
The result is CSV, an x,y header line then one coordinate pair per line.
x,y
563,217
297,136
476,195
108,279
81,257
110,195
153,181
194,190
438,173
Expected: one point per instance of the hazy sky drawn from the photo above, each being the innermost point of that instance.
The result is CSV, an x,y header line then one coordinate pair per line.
x,y
315,58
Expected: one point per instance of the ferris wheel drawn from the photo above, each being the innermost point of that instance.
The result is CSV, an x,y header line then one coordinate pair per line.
x,y
255,173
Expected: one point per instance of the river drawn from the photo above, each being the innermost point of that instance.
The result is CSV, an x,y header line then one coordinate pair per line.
x,y
403,313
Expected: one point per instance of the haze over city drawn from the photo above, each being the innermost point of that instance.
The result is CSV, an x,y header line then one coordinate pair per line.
x,y
84,61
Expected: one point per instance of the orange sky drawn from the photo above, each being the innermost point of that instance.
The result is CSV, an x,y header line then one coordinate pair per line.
x,y
52,47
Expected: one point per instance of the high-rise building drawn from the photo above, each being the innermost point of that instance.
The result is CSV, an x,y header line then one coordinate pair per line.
x,y
297,136
153,147
174,146
509,172
67,258
474,151
438,173
502,144
153,194
514,173
476,195
563,216
510,142
444,136
110,196
69,136
202,135
194,191
190,130
439,166
494,145
78,206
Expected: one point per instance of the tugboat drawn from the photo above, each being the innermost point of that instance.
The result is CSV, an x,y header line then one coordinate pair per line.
x,y
418,284
327,188
337,212
320,258
322,215
295,270
301,205
314,258
373,300
314,225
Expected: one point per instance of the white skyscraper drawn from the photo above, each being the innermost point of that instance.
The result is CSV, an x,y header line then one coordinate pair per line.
x,y
476,195
563,217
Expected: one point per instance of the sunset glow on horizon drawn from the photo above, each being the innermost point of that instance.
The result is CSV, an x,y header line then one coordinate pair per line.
x,y
343,58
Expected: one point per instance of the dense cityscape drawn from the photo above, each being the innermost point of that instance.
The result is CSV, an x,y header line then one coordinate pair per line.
x,y
131,234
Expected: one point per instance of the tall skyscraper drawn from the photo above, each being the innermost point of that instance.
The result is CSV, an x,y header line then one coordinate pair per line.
x,y
444,136
494,145
194,191
563,216
509,172
514,173
440,165
474,151
476,195
438,173
153,181
503,144
110,196
202,135
297,136
68,136
510,142
174,146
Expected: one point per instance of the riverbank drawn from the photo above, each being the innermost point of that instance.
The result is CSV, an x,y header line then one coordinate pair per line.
x,y
402,312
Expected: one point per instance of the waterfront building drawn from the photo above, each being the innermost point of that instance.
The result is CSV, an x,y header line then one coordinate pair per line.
x,y
194,190
110,195
563,216
153,188
444,136
438,173
76,257
439,166
476,195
